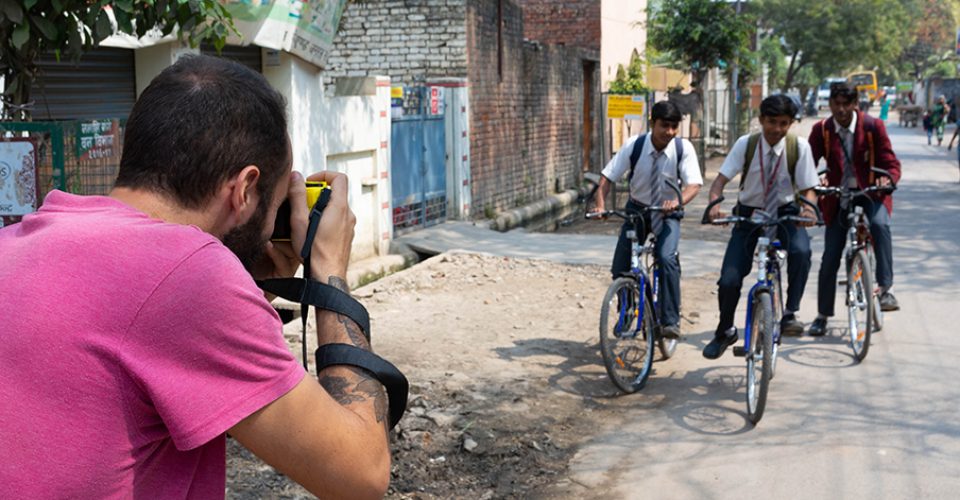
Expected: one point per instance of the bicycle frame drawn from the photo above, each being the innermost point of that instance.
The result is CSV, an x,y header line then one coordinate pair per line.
x,y
640,272
768,269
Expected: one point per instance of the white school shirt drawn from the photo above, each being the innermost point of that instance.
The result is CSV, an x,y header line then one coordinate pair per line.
x,y
752,194
640,190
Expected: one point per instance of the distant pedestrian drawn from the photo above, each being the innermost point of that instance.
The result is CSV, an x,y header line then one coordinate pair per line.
x,y
928,125
938,118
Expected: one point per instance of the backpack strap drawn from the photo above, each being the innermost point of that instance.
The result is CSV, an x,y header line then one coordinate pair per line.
x,y
793,153
678,144
748,157
826,140
635,155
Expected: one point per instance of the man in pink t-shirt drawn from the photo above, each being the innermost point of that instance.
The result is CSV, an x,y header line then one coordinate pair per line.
x,y
134,337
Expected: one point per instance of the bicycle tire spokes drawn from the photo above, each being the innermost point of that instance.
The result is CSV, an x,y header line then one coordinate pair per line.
x,y
626,336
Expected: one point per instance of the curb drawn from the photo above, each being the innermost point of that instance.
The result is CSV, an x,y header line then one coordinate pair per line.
x,y
552,204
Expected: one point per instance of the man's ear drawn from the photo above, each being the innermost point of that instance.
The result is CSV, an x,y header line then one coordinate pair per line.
x,y
243,195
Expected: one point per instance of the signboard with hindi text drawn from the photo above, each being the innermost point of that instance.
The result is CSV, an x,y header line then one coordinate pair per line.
x,y
97,139
629,107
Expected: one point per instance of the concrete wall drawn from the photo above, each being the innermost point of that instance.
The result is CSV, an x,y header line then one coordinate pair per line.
x,y
527,120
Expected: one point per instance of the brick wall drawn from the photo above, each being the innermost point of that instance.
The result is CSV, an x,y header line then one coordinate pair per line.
x,y
567,22
527,122
407,40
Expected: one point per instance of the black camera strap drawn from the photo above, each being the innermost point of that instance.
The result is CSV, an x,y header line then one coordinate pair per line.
x,y
308,292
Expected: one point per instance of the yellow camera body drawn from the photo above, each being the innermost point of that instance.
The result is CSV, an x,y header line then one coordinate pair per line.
x,y
281,227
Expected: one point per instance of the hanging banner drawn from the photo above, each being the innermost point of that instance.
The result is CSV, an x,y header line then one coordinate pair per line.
x,y
18,176
303,28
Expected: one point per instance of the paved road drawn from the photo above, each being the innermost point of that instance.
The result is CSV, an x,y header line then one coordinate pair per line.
x,y
887,428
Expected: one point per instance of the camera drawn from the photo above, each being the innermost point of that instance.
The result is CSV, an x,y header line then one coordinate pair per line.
x,y
281,227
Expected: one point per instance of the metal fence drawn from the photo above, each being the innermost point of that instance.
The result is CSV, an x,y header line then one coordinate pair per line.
x,y
80,157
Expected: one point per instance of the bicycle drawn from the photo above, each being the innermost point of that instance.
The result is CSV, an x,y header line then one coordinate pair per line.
x,y
761,335
864,316
629,317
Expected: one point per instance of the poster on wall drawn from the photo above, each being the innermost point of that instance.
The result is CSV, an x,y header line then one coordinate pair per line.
x,y
303,28
18,177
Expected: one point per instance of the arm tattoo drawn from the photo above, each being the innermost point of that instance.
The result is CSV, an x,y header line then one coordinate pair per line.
x,y
353,331
338,283
367,388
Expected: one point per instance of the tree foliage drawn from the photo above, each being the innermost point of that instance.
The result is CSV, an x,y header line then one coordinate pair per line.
x,y
29,28
930,45
833,37
631,80
701,34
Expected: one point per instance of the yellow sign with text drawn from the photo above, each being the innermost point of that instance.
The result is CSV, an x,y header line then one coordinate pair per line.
x,y
630,107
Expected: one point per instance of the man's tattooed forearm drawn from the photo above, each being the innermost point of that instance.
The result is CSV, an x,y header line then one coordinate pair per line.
x,y
353,331
338,283
367,388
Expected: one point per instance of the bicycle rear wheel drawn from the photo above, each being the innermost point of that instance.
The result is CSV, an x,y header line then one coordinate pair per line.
x,y
760,356
626,335
860,304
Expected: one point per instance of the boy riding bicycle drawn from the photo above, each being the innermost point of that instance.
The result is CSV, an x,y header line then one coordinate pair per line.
x,y
775,167
652,158
851,143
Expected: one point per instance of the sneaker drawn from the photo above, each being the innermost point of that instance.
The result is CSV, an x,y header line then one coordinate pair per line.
x,y
791,326
720,342
888,302
818,328
670,332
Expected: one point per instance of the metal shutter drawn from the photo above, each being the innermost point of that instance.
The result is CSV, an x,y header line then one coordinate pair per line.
x,y
102,84
248,56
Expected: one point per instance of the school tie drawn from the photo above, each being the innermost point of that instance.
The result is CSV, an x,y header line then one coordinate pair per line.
x,y
655,181
771,201
848,179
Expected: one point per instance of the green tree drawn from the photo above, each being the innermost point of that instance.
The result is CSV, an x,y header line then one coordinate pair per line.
x,y
930,47
630,81
29,28
831,37
700,34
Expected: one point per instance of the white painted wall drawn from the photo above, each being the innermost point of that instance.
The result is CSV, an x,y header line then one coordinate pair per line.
x,y
621,31
348,134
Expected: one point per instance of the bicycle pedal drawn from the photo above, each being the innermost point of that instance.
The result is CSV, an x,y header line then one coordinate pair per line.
x,y
739,351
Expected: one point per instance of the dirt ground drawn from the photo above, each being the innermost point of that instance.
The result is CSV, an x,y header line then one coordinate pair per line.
x,y
505,371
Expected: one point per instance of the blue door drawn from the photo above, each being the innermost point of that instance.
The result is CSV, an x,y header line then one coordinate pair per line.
x,y
418,161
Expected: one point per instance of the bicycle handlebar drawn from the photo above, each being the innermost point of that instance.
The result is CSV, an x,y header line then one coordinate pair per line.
x,y
626,216
768,220
856,193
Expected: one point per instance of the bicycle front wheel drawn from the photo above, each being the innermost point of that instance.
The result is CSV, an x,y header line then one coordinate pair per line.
x,y
860,304
760,356
626,335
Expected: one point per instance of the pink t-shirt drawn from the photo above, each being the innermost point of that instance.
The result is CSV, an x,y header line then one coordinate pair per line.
x,y
128,346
